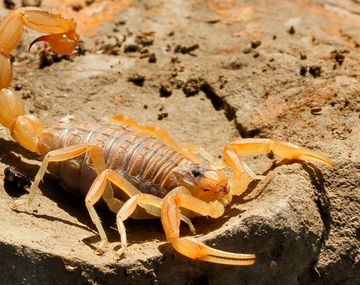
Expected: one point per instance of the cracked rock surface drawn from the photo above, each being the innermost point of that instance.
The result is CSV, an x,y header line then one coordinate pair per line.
x,y
207,72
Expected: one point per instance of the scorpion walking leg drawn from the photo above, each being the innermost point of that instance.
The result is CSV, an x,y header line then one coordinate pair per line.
x,y
209,159
197,150
243,175
170,210
68,153
154,131
150,203
97,190
63,154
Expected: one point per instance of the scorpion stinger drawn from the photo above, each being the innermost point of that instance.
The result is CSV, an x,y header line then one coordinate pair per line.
x,y
62,36
63,43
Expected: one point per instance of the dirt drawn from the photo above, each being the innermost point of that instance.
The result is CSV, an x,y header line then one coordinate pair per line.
x,y
207,72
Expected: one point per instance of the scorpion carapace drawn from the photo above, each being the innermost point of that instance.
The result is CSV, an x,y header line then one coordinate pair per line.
x,y
142,162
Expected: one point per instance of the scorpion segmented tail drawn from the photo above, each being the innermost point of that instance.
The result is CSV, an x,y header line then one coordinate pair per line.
x,y
24,128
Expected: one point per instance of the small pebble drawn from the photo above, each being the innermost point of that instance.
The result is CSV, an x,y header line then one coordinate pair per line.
x,y
316,111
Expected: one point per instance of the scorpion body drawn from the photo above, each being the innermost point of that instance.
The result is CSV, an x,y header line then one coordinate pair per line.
x,y
145,161
148,168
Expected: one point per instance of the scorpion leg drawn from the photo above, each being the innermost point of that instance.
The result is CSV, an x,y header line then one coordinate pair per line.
x,y
157,132
64,154
180,197
196,150
243,175
150,203
97,190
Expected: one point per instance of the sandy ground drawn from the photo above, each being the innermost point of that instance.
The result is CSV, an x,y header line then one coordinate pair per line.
x,y
207,72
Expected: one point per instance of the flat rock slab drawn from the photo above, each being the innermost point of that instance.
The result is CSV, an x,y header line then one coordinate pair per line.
x,y
207,72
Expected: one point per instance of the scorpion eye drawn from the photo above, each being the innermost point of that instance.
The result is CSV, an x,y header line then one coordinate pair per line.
x,y
196,172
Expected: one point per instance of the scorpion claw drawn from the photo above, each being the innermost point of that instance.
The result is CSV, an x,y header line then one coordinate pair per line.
x,y
198,250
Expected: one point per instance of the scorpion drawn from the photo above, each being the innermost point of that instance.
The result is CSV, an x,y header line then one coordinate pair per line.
x,y
126,164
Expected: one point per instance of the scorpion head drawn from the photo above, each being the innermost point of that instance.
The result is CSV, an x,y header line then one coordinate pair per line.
x,y
204,183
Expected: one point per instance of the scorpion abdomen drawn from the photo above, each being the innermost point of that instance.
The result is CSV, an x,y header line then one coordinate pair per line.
x,y
143,160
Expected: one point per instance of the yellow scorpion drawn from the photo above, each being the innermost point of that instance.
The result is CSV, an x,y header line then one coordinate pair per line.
x,y
145,166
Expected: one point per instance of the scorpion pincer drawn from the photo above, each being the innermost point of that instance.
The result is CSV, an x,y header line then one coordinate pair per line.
x,y
145,166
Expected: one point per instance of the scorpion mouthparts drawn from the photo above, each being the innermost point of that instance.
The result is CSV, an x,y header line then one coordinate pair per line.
x,y
223,190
